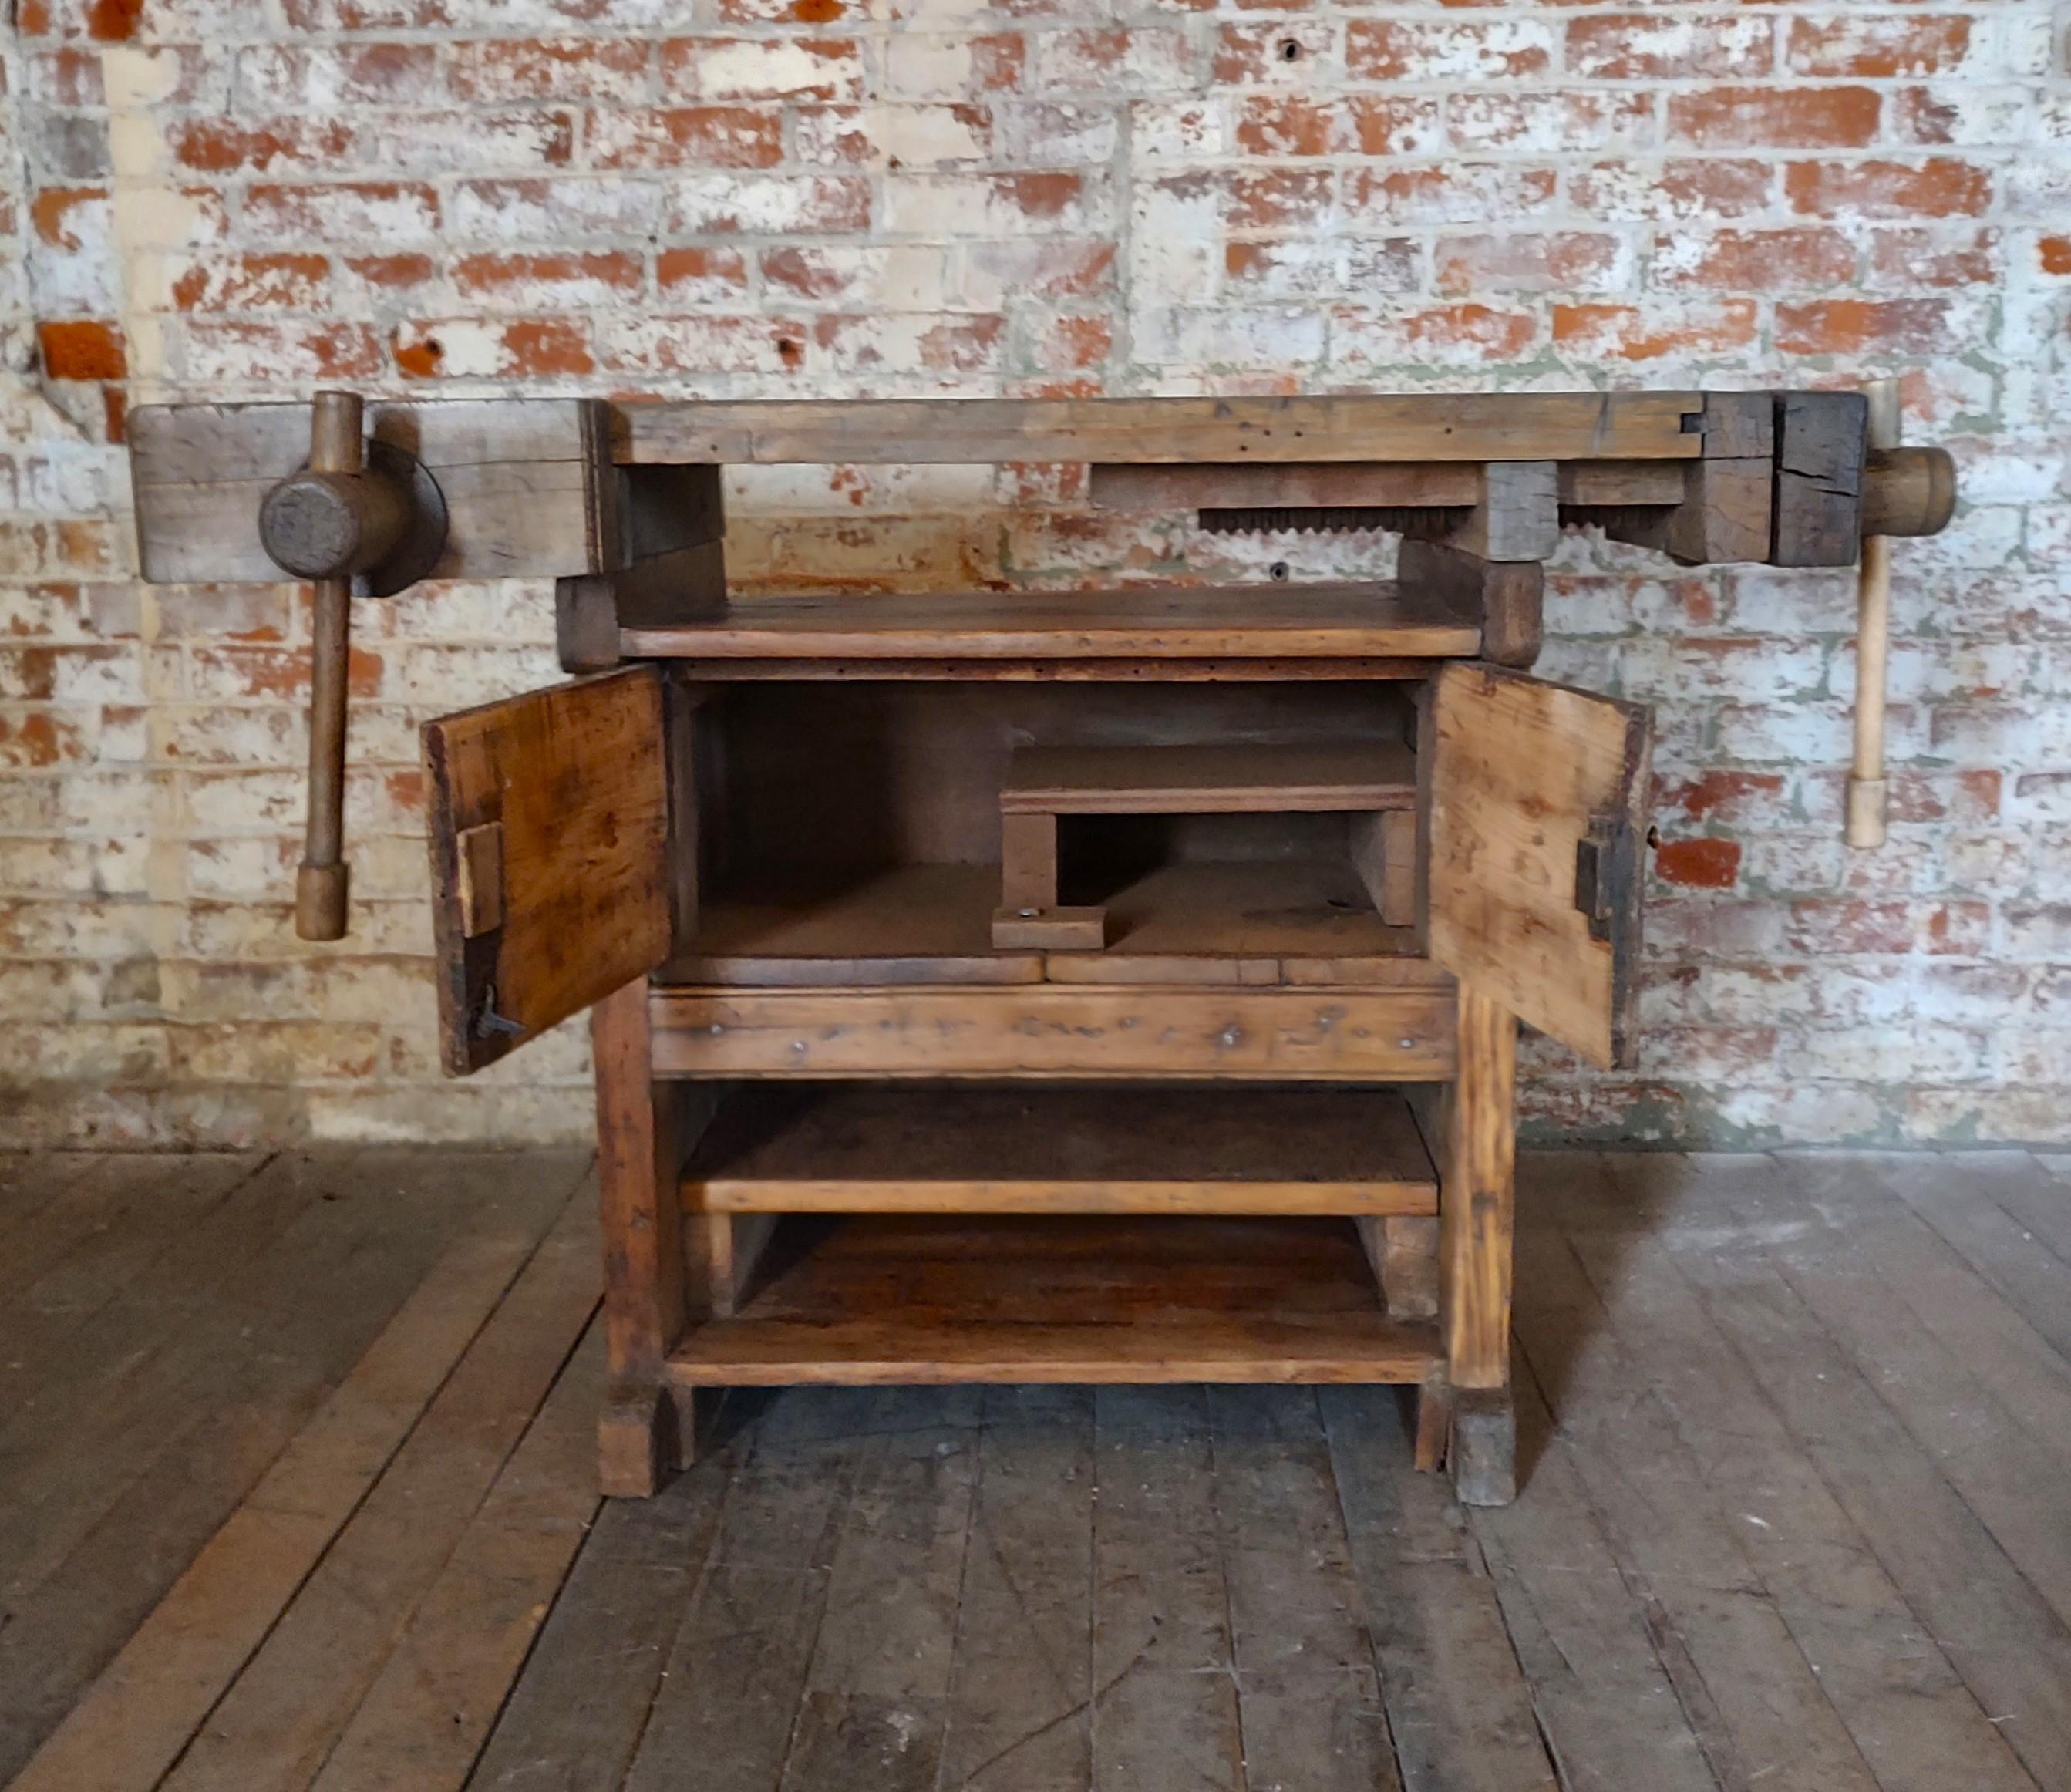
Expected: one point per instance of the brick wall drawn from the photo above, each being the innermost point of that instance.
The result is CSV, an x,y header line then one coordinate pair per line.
x,y
765,198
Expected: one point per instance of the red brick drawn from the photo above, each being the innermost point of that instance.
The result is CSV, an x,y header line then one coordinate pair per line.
x,y
1516,48
1515,263
550,68
709,270
1734,799
1929,257
1941,187
1852,325
1755,261
1500,335
1054,267
229,146
289,75
1458,193
1878,47
1703,864
708,136
550,279
1070,345
1634,333
764,68
391,270
50,213
235,348
289,282
66,77
2052,255
1689,187
1646,47
381,209
1280,198
83,348
113,20
1365,124
526,347
1249,54
1775,117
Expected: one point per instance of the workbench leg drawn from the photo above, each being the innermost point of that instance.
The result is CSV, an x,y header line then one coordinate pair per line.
x,y
1476,1221
640,1442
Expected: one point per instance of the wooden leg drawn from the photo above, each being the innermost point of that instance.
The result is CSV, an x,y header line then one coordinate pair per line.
x,y
1476,1195
645,1298
1404,1251
1433,1427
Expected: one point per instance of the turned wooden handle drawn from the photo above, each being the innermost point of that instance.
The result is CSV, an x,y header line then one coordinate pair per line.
x,y
1868,802
336,454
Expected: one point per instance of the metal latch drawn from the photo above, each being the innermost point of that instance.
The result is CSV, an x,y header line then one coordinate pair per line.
x,y
1606,869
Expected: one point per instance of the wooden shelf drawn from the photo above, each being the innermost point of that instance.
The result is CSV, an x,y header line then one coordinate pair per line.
x,y
890,1299
1292,921
865,1148
1374,621
1209,780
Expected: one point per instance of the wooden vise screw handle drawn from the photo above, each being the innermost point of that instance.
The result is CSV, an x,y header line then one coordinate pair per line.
x,y
325,523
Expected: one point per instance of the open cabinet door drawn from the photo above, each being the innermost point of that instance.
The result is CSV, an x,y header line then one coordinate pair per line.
x,y
549,857
1535,806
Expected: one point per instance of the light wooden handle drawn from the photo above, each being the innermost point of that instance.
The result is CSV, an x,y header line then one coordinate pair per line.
x,y
1868,791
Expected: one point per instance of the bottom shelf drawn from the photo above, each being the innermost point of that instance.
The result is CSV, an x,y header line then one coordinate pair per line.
x,y
871,1299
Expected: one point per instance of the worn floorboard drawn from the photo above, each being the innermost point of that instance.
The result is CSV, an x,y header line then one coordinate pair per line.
x,y
295,1492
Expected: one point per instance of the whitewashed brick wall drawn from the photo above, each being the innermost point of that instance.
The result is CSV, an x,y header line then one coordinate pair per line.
x,y
766,198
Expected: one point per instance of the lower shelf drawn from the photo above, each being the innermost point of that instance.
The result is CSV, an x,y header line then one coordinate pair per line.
x,y
892,1299
963,1149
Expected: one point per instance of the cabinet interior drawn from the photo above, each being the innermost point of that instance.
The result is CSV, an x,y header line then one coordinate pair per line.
x,y
862,821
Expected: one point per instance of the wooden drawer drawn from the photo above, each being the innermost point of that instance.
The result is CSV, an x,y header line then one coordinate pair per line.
x,y
1399,1035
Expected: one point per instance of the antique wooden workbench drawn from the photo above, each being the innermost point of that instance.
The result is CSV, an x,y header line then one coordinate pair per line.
x,y
1108,986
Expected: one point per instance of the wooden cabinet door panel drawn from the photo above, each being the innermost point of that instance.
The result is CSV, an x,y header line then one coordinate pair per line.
x,y
1535,807
549,816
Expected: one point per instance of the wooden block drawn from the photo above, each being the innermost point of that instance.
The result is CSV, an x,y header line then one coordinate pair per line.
x,y
1482,1451
586,625
1821,439
1054,929
1726,518
480,862
1398,886
1408,1267
519,476
1027,863
1738,426
1508,596
1518,515
637,1441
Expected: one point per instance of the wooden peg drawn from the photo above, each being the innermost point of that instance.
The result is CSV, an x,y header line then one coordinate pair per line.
x,y
336,447
1868,793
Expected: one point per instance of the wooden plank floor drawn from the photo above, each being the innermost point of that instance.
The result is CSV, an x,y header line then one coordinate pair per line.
x,y
295,1493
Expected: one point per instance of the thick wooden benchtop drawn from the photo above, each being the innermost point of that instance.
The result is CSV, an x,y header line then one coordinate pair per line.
x,y
1353,622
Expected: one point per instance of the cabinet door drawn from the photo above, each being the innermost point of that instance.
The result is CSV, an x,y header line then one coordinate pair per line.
x,y
549,857
1535,804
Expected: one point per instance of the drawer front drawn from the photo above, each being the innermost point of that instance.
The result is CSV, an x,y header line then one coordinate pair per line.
x,y
1364,1035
